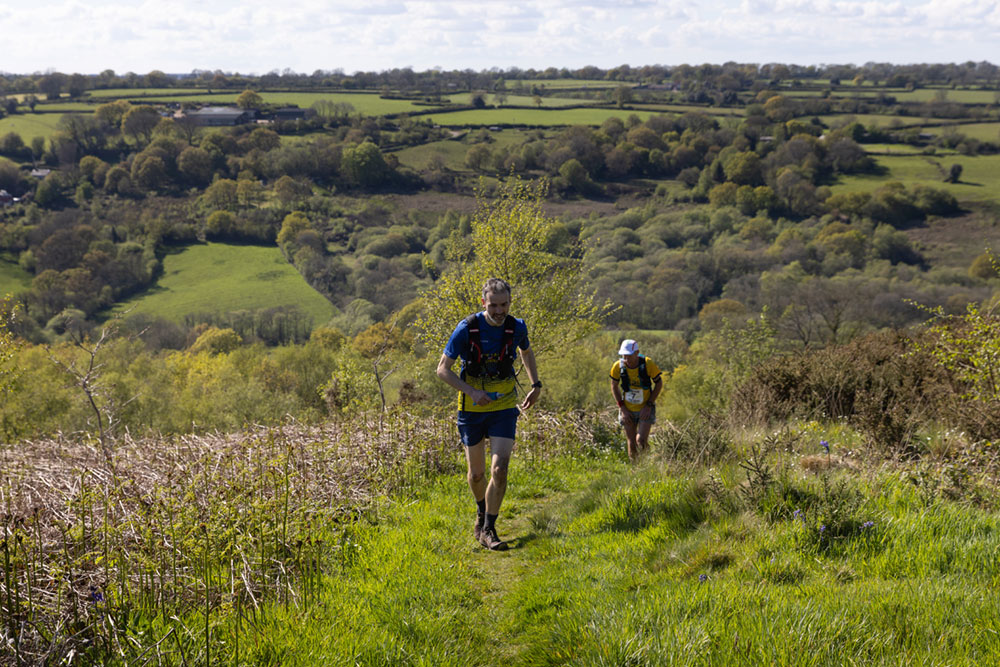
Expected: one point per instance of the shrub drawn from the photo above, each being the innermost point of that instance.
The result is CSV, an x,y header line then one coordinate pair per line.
x,y
881,383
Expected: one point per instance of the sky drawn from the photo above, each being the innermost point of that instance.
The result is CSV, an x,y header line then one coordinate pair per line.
x,y
255,37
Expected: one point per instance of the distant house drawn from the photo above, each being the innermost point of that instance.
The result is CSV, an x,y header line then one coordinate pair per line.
x,y
6,198
40,173
221,116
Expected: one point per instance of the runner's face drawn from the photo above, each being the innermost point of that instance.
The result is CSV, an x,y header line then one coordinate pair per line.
x,y
632,360
495,305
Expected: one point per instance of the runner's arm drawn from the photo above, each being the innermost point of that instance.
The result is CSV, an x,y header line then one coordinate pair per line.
x,y
616,391
444,371
647,407
528,359
657,388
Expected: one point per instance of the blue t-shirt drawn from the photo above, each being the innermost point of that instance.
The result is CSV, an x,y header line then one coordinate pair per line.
x,y
491,340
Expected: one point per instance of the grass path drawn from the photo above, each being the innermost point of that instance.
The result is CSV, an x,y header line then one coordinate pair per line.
x,y
417,589
611,565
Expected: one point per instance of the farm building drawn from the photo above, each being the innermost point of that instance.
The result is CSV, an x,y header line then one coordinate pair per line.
x,y
221,116
293,113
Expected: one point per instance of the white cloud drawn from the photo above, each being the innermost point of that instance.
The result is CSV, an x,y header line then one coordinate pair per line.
x,y
258,36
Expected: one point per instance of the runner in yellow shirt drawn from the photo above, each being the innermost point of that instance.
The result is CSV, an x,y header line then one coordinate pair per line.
x,y
635,392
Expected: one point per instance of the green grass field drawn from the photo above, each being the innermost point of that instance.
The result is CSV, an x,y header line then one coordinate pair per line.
x,y
13,278
570,83
980,175
366,103
960,96
535,117
905,149
527,100
221,278
616,566
866,119
65,107
129,93
687,108
419,157
453,152
980,131
30,125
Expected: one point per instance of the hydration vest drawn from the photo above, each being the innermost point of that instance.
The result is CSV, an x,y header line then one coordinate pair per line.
x,y
474,366
643,375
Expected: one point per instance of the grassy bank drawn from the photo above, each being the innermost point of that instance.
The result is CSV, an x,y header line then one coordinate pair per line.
x,y
611,565
351,544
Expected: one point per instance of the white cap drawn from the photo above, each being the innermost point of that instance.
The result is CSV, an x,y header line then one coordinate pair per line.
x,y
629,346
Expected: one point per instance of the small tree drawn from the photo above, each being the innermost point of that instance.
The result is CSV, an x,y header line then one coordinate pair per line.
x,y
89,377
509,240
139,122
249,99
954,173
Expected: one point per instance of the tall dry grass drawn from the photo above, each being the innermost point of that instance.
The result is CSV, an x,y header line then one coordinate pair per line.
x,y
99,555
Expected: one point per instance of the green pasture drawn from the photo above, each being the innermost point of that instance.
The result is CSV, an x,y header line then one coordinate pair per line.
x,y
130,93
369,104
840,92
65,107
571,83
13,278
980,175
959,95
686,108
30,125
537,117
221,278
980,131
905,149
453,151
528,100
420,157
866,119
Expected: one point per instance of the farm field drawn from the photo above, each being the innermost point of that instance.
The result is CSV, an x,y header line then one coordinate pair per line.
x,y
13,278
420,157
980,131
452,151
30,125
961,96
365,103
571,83
64,107
228,278
920,95
866,119
131,93
529,100
980,175
905,149
687,108
531,117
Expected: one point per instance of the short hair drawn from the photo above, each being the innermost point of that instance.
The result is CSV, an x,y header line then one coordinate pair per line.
x,y
495,286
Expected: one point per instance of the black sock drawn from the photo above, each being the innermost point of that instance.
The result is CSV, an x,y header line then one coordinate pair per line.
x,y
491,520
481,511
